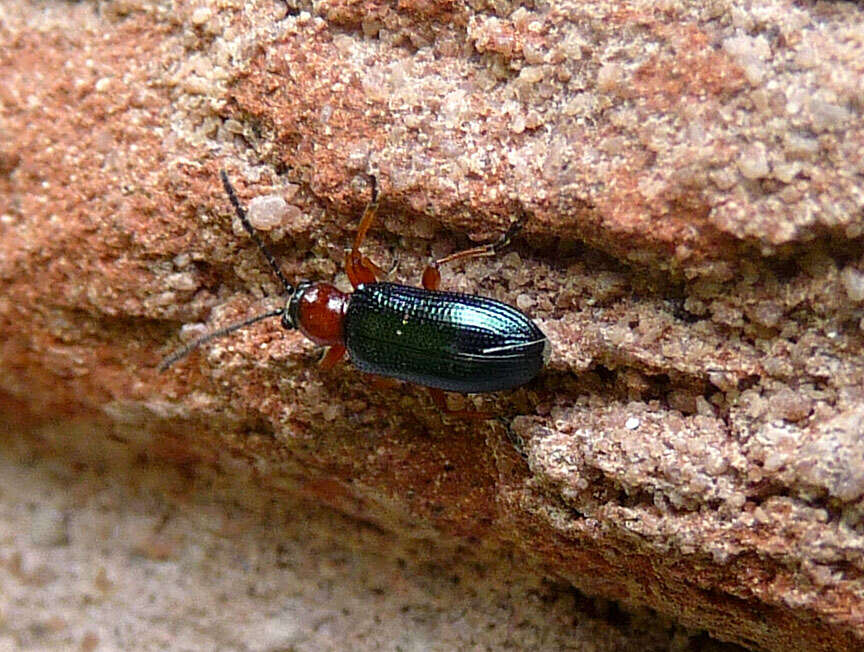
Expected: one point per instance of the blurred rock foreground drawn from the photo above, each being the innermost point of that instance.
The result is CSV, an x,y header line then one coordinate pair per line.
x,y
691,178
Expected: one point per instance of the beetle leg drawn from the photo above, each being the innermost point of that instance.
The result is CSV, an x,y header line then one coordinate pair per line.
x,y
362,269
334,354
382,382
358,267
368,264
432,276
440,400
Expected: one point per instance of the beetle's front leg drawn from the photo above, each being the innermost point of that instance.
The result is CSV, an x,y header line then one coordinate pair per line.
x,y
359,268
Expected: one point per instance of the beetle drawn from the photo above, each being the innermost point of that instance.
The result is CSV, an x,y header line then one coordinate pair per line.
x,y
446,341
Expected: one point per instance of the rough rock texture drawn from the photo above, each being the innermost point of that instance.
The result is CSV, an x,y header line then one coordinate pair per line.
x,y
691,177
121,553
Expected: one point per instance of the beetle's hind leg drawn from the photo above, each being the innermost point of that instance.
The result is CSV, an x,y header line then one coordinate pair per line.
x,y
432,276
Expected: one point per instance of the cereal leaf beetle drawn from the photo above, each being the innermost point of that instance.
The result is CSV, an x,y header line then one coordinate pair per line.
x,y
442,340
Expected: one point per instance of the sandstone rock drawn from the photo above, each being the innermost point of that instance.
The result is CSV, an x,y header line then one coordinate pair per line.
x,y
690,176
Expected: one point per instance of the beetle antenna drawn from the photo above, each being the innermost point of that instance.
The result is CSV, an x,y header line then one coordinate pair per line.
x,y
241,215
183,351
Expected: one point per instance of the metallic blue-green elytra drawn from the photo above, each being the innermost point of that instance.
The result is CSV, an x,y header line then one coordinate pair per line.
x,y
448,340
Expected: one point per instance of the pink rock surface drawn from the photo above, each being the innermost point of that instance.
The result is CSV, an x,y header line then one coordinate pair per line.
x,y
691,180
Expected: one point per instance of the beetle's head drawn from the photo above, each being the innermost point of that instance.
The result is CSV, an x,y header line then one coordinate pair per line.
x,y
289,317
